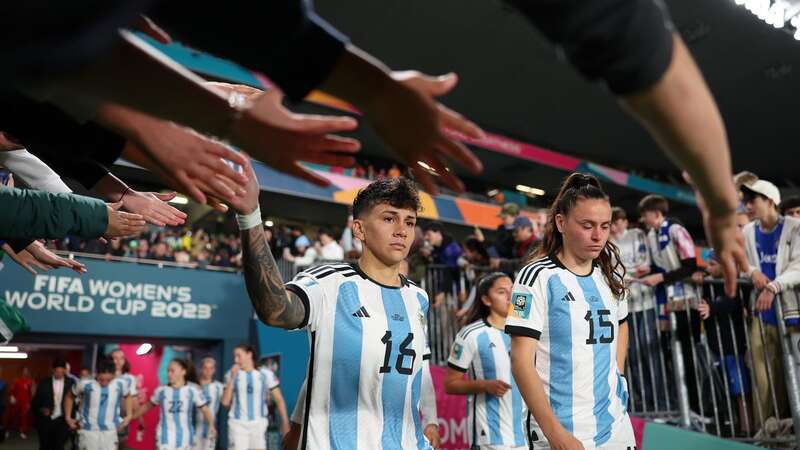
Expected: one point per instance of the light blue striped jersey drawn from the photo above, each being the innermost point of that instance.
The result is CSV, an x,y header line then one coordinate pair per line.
x,y
484,352
368,343
576,320
100,406
213,394
177,405
250,393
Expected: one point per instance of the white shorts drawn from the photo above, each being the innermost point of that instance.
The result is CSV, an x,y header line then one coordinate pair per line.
x,y
201,443
247,434
97,440
501,447
622,438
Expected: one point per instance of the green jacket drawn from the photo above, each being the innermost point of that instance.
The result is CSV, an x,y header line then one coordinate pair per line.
x,y
26,213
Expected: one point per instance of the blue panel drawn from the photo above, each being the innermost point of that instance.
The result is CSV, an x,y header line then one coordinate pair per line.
x,y
448,210
602,366
559,321
395,383
348,332
486,353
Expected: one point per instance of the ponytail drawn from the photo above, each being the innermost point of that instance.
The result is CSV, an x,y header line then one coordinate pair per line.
x,y
579,186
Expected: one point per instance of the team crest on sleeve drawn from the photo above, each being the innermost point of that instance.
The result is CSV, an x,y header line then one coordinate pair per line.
x,y
521,304
458,349
308,281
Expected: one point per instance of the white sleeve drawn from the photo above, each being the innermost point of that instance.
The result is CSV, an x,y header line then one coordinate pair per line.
x,y
299,406
272,379
461,354
311,292
528,307
200,398
33,171
427,398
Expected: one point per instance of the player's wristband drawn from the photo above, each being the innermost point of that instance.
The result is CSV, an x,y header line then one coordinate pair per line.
x,y
250,220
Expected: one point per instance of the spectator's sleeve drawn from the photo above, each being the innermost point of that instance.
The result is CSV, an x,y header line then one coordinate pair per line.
x,y
32,171
294,47
312,293
626,43
685,246
461,353
33,214
528,309
791,274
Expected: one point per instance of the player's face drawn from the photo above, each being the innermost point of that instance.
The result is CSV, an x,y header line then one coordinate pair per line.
x,y
119,359
387,232
499,297
209,367
585,229
105,378
242,358
175,373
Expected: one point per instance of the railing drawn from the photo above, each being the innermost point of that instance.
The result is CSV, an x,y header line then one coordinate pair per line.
x,y
153,262
721,375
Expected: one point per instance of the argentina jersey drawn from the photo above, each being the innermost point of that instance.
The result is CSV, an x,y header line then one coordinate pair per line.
x,y
669,245
175,426
130,383
213,395
250,390
576,320
368,343
100,405
483,351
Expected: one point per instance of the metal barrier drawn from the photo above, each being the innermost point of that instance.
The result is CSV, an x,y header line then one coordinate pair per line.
x,y
727,378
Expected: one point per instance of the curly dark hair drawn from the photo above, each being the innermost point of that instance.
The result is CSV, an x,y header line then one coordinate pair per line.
x,y
398,192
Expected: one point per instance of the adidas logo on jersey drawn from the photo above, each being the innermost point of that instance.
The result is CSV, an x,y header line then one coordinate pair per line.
x,y
362,312
491,345
398,317
568,298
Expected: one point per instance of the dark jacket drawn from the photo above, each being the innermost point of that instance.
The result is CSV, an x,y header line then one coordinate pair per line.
x,y
35,214
44,398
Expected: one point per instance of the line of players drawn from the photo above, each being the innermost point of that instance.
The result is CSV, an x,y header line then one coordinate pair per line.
x,y
188,405
556,350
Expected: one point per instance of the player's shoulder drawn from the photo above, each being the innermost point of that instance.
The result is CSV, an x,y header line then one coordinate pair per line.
x,y
469,330
332,271
539,268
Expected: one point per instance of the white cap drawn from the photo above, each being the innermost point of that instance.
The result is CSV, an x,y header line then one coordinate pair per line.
x,y
766,189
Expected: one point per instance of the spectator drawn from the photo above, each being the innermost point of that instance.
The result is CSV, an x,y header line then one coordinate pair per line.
x,y
306,254
504,242
275,246
525,244
725,325
160,252
673,255
327,248
790,206
772,246
394,172
635,257
445,252
350,244
143,249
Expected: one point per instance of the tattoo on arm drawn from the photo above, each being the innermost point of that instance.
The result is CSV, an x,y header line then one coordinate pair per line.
x,y
274,305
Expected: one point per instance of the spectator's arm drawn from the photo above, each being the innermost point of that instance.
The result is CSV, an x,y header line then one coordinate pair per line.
x,y
32,170
790,277
32,214
688,267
